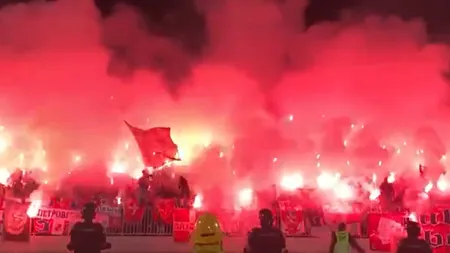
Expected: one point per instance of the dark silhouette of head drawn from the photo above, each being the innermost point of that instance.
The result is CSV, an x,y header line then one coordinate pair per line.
x,y
266,217
342,226
413,229
145,173
88,212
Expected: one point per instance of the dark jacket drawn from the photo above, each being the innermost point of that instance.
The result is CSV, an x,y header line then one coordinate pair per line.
x,y
87,237
413,245
262,240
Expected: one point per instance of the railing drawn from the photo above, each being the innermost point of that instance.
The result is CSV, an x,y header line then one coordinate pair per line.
x,y
148,226
152,224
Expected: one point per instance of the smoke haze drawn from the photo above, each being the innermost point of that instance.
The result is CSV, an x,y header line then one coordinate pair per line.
x,y
69,78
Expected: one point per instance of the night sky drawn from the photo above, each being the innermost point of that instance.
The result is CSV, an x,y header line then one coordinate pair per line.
x,y
188,25
180,21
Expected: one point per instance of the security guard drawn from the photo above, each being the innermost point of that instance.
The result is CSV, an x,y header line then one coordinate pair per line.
x,y
412,243
343,242
88,236
207,235
266,238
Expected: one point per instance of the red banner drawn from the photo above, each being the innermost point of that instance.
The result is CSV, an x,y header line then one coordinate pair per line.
x,y
383,228
436,228
16,224
438,237
386,228
292,220
183,224
165,209
350,214
347,218
133,212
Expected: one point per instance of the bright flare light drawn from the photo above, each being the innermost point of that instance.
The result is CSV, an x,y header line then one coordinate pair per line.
x,y
412,217
136,174
119,167
4,176
76,159
442,183
374,178
428,187
245,197
343,191
33,209
198,201
292,182
391,177
36,202
374,194
4,144
327,181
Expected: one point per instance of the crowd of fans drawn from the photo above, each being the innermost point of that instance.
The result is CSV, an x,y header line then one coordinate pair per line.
x,y
143,191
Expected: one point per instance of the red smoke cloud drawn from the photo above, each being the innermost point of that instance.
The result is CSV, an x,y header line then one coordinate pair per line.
x,y
59,82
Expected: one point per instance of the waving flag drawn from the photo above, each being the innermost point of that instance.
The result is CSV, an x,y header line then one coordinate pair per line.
x,y
156,145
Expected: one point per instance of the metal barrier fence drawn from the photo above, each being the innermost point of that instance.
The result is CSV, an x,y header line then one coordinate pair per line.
x,y
148,226
153,225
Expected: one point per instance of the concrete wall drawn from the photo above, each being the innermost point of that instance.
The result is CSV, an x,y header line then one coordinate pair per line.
x,y
138,244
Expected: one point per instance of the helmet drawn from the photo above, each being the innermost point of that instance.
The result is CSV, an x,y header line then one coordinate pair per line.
x,y
265,217
207,230
88,212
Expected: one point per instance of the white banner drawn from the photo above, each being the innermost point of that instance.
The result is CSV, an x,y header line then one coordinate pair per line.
x,y
52,213
60,217
113,211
